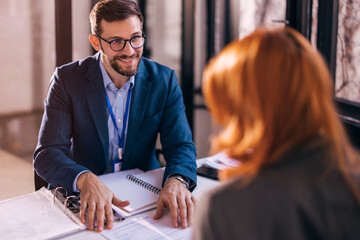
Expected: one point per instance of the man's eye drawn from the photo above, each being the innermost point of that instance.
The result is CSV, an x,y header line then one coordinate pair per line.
x,y
117,41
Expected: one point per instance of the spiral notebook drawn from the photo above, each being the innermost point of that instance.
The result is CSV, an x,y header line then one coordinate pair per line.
x,y
142,190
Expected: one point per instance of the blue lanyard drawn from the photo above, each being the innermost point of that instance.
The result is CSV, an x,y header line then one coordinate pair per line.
x,y
120,138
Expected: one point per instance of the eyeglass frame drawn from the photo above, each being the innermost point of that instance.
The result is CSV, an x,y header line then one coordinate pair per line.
x,y
125,40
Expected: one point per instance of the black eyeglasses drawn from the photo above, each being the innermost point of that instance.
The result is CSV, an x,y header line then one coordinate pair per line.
x,y
118,44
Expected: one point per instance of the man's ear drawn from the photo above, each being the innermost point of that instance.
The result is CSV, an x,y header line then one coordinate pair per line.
x,y
95,42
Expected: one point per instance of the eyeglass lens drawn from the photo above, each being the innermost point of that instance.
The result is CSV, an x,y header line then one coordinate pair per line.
x,y
135,42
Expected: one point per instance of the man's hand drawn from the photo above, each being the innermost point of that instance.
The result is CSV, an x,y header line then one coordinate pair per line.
x,y
178,198
97,199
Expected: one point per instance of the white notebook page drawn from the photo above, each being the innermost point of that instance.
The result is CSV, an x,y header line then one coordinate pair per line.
x,y
139,196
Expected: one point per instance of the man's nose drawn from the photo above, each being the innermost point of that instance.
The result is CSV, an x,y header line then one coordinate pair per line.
x,y
128,49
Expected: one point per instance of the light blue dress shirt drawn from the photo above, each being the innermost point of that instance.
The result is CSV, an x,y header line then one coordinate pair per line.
x,y
117,98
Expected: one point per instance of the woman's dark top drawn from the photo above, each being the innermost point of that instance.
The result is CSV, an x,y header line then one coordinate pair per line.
x,y
301,196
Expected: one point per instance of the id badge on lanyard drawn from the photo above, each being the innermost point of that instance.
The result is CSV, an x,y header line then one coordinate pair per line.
x,y
117,162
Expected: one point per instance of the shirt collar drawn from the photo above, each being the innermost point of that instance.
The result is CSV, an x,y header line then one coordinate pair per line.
x,y
109,84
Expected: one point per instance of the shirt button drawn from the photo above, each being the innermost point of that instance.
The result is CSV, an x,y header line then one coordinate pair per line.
x,y
119,94
119,120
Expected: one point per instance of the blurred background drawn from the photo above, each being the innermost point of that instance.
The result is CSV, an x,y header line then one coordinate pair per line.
x,y
38,35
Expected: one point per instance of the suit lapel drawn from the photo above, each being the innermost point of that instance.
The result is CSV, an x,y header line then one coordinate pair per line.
x,y
95,95
139,98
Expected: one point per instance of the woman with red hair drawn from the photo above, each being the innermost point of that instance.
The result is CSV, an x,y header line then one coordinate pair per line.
x,y
298,174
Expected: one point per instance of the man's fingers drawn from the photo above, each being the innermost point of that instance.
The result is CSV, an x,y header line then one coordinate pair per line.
x,y
100,218
96,201
183,211
109,217
190,209
194,201
117,202
160,210
83,207
91,215
173,205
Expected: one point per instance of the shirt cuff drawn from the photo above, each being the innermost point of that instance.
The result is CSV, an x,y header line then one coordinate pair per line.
x,y
74,183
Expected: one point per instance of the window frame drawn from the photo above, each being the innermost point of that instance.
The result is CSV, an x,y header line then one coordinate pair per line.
x,y
299,16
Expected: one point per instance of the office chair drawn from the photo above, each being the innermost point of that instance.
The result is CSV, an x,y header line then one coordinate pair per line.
x,y
39,182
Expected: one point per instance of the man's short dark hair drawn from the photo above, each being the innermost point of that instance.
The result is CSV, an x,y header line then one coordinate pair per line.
x,y
112,10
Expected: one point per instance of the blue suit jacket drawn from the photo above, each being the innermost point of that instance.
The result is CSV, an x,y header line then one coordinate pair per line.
x,y
74,133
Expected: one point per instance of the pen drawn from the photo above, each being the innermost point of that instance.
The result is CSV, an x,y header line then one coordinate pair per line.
x,y
117,216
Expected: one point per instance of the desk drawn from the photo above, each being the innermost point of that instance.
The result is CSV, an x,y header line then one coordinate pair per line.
x,y
204,184
142,223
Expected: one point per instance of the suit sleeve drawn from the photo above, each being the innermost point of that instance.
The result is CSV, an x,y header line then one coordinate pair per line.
x,y
175,135
52,160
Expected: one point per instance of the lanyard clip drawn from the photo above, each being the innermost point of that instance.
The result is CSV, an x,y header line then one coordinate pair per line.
x,y
120,153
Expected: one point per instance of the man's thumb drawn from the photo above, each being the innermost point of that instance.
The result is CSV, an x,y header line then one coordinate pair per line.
x,y
117,202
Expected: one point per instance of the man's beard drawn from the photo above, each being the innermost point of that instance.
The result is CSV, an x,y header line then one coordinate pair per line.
x,y
127,70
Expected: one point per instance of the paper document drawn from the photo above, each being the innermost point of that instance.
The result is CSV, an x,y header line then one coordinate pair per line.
x,y
34,216
220,161
145,227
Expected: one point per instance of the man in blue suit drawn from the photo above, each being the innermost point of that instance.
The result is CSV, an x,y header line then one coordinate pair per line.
x,y
104,113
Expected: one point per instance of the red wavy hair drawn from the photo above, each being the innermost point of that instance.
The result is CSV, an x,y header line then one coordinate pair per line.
x,y
271,91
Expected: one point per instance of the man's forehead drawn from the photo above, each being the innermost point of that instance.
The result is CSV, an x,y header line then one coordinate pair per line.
x,y
122,28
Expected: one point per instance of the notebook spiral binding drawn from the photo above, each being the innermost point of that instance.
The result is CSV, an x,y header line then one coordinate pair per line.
x,y
143,184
